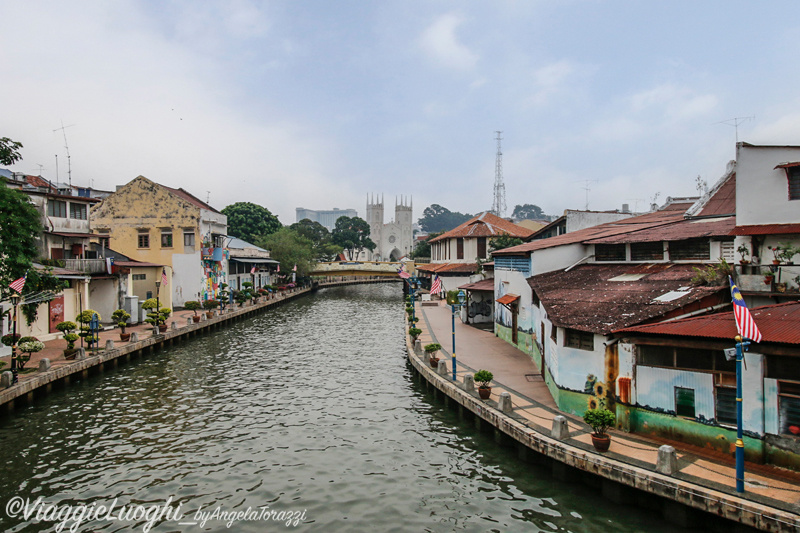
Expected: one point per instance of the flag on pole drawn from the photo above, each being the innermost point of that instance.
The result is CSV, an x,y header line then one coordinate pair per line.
x,y
744,320
279,267
436,286
253,270
164,277
17,285
403,274
294,269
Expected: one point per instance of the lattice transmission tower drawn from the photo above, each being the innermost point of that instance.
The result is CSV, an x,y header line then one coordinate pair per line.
x,y
499,202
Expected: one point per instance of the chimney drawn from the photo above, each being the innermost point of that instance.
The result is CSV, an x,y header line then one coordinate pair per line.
x,y
626,208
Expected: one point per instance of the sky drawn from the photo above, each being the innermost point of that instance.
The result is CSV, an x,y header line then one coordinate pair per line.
x,y
317,104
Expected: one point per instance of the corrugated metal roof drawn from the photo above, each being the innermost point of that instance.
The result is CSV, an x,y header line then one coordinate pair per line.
x,y
723,201
586,299
485,225
767,229
677,231
482,285
450,268
778,323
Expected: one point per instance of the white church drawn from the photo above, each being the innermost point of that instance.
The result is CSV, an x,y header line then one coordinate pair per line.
x,y
395,239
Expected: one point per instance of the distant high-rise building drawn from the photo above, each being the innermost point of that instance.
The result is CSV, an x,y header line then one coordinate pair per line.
x,y
326,218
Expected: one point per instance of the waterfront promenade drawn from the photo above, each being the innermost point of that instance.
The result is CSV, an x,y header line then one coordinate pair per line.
x,y
701,474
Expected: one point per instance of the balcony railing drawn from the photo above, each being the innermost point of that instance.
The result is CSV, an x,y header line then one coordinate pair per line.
x,y
87,266
768,278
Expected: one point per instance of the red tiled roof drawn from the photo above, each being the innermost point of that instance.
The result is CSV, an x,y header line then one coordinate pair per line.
x,y
485,225
38,181
609,229
683,229
778,323
766,229
586,299
482,285
448,268
508,299
190,198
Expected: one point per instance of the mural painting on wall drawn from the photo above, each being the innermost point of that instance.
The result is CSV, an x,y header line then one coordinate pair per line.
x,y
56,309
482,307
214,276
597,393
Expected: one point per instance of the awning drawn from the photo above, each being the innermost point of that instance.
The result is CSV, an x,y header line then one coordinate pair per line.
x,y
483,285
789,164
508,299
253,260
71,235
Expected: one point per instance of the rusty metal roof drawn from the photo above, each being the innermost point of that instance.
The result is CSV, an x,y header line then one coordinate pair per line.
x,y
508,299
767,229
681,230
482,285
723,201
605,298
779,323
485,225
448,268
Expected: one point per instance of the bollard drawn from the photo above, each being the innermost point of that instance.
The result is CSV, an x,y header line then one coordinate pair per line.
x,y
505,403
44,364
135,336
189,320
442,368
109,344
81,354
173,326
203,317
667,462
6,378
418,347
560,429
469,383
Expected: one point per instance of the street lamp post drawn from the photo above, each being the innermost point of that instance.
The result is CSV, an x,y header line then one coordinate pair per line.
x,y
14,301
741,346
158,305
413,284
461,298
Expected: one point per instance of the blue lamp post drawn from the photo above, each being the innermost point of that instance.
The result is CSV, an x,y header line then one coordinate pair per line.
x,y
741,347
461,299
413,284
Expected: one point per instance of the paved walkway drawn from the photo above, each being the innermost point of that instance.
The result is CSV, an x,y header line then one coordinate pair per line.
x,y
515,373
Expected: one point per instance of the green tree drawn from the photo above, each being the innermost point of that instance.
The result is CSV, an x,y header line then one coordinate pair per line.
x,y
9,151
323,246
439,219
503,241
527,212
289,248
249,221
352,234
423,248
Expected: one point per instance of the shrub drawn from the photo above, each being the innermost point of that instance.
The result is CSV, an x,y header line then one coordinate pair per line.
x,y
210,304
414,332
193,305
599,420
120,316
433,347
8,339
484,377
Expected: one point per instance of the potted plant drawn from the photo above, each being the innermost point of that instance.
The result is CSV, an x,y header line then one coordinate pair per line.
x,y
28,346
193,305
775,257
768,277
414,332
9,339
600,420
240,297
121,318
224,295
483,377
85,319
156,317
209,306
430,351
743,251
67,328
786,251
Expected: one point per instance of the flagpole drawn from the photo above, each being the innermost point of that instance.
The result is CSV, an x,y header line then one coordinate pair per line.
x,y
740,347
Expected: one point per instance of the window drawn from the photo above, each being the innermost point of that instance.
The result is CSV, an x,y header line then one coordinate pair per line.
x,y
553,333
647,251
685,358
793,175
656,355
684,402
726,404
609,252
482,248
57,208
139,277
460,248
188,238
166,239
77,211
582,340
144,239
695,249
789,407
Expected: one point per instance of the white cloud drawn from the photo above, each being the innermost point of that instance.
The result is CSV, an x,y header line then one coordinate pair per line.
x,y
549,80
674,103
440,43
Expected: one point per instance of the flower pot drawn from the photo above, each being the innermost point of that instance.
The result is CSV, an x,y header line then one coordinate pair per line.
x,y
485,392
124,337
70,353
601,442
162,328
434,361
210,314
196,318
780,287
767,280
776,262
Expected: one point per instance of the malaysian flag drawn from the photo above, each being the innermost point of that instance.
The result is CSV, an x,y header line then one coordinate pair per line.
x,y
294,269
253,270
436,286
403,274
279,267
17,285
164,277
744,320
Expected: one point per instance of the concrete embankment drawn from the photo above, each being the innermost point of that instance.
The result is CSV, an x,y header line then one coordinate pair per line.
x,y
524,424
181,327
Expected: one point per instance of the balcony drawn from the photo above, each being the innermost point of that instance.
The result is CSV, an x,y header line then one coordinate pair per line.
x,y
754,278
87,266
212,254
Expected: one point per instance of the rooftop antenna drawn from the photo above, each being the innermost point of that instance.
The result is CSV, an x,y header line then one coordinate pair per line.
x,y
66,147
41,167
499,202
56,167
208,196
587,189
635,203
735,121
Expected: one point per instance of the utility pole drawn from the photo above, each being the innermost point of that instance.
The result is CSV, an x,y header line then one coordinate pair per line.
x,y
499,202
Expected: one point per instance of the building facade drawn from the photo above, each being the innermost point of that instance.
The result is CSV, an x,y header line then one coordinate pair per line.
x,y
326,218
395,239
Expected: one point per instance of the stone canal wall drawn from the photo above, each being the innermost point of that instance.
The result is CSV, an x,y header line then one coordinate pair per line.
x,y
620,481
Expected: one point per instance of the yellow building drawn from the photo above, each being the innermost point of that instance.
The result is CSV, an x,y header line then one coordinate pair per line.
x,y
160,225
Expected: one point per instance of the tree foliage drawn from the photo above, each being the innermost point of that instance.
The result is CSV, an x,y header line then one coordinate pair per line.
x,y
423,248
527,212
503,241
436,218
323,246
289,248
9,151
249,221
352,234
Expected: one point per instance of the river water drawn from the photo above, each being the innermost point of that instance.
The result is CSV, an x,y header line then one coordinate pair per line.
x,y
308,410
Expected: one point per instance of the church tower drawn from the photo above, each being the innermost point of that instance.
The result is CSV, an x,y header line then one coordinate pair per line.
x,y
375,221
403,217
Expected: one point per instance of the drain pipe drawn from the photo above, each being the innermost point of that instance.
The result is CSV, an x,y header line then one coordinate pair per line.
x,y
698,312
578,262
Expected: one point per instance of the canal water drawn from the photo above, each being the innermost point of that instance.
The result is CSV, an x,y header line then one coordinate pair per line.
x,y
309,410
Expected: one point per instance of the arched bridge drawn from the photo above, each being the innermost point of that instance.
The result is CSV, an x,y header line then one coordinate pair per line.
x,y
383,269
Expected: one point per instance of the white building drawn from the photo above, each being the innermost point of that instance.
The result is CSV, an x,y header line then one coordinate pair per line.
x,y
326,218
395,239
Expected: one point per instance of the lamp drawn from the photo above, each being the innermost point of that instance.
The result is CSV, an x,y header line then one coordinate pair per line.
x,y
158,305
461,297
14,301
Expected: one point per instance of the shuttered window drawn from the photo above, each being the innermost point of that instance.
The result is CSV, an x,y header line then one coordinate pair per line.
x,y
582,340
684,402
482,248
690,249
609,252
794,183
726,405
459,248
647,251
789,407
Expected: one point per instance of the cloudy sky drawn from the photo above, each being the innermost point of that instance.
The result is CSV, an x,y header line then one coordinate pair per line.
x,y
317,103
